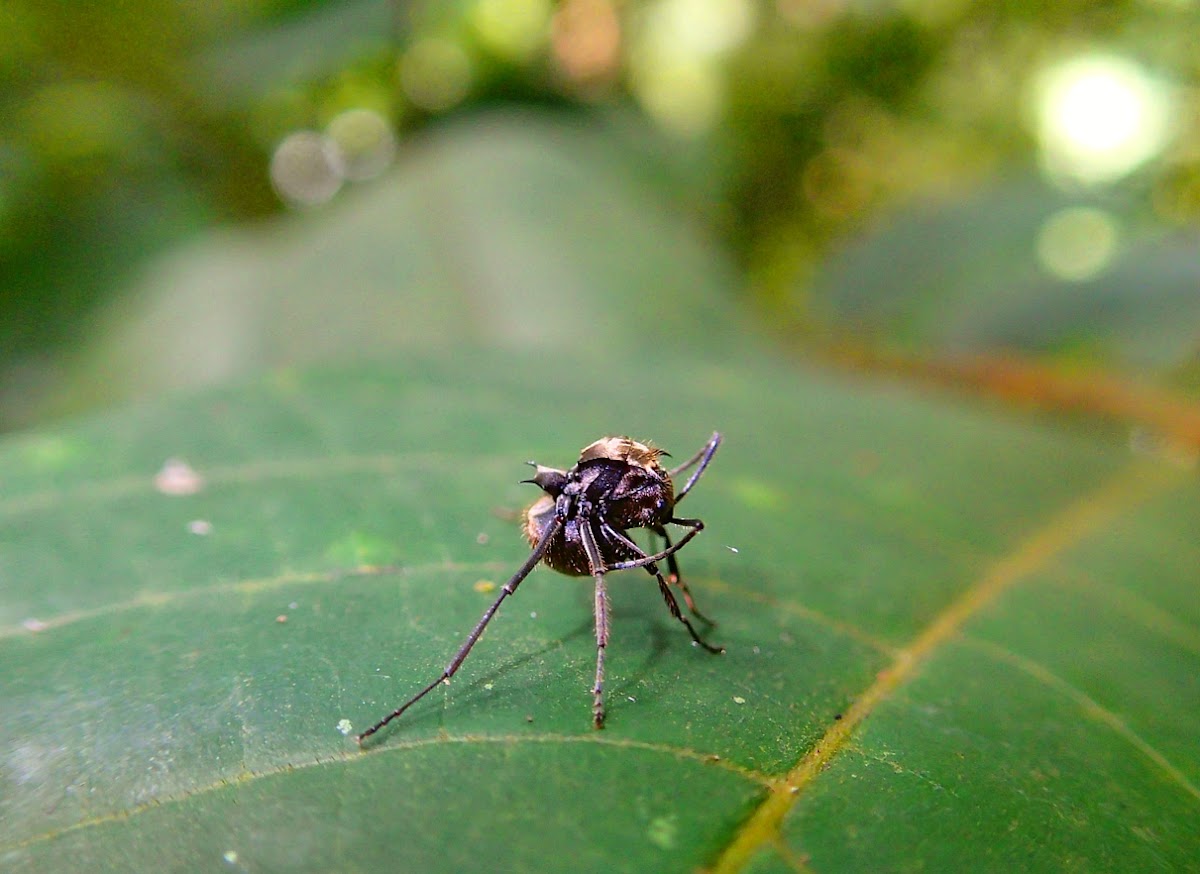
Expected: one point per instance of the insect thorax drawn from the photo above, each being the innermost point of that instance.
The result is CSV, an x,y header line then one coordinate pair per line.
x,y
627,495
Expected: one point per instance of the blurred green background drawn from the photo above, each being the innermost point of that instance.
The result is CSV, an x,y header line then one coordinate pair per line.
x,y
190,192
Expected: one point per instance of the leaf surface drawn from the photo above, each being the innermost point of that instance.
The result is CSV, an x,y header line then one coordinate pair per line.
x,y
957,637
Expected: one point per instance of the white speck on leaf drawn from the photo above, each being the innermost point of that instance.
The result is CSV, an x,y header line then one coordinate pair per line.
x,y
34,625
200,527
738,699
177,477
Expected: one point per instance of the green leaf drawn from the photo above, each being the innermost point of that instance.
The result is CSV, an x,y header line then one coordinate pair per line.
x,y
971,276
958,638
512,230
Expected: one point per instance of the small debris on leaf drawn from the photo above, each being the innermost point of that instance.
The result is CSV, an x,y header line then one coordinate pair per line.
x,y
177,477
201,527
485,586
344,726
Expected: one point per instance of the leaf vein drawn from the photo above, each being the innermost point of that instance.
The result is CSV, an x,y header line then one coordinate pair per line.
x,y
1062,531
145,600
1090,707
352,757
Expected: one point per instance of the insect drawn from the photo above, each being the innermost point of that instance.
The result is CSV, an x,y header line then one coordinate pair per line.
x,y
580,527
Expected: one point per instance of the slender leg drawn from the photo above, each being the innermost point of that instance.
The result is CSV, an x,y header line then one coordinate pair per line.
x,y
669,552
695,524
673,606
672,564
647,562
675,578
539,551
601,644
704,456
596,563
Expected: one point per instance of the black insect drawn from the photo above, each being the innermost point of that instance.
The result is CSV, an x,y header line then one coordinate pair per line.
x,y
581,526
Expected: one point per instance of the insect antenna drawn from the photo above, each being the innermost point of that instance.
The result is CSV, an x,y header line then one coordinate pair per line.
x,y
704,456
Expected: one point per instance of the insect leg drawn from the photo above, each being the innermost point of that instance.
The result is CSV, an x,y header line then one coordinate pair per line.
x,y
704,456
596,563
672,565
696,525
601,644
673,606
675,578
507,589
647,561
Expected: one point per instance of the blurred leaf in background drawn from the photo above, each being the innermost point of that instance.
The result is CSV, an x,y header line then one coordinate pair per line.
x,y
998,162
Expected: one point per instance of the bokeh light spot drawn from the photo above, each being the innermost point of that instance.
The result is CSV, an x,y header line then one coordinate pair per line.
x,y
1099,117
1077,243
675,59
365,143
684,97
512,29
435,74
586,39
699,28
305,169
